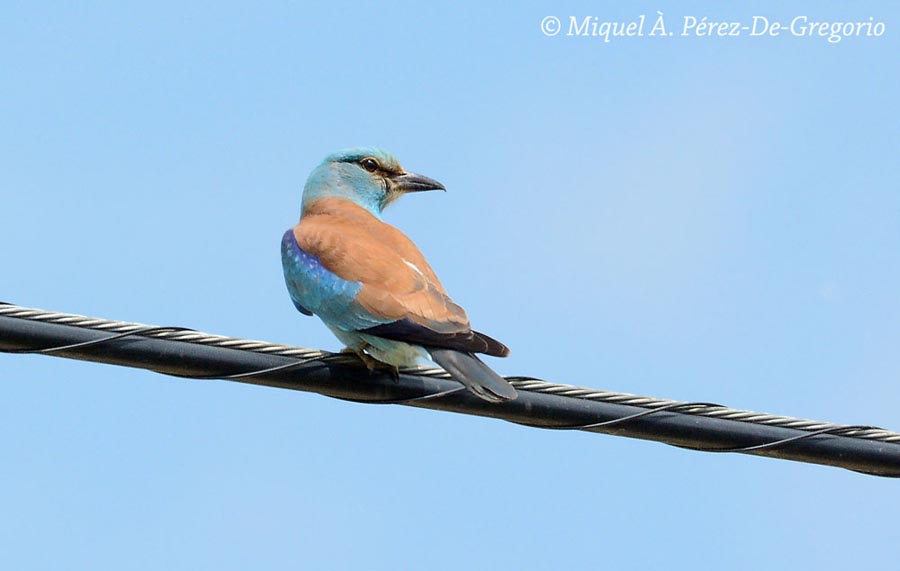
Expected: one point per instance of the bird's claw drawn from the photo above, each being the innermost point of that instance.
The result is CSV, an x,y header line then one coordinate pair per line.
x,y
373,364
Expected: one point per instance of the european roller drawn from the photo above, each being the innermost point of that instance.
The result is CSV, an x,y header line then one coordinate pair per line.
x,y
370,284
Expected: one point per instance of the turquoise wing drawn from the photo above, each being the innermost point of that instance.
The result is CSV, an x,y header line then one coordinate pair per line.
x,y
316,291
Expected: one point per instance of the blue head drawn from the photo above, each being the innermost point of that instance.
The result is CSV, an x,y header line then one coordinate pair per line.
x,y
372,178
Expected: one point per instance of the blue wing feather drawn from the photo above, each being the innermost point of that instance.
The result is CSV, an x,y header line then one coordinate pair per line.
x,y
315,290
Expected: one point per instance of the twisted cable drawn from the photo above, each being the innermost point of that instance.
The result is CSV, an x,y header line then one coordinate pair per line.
x,y
303,356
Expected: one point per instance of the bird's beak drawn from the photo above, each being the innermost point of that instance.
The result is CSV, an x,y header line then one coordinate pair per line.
x,y
412,182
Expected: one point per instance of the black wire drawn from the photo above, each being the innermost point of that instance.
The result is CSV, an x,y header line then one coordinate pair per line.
x,y
236,376
58,348
671,407
409,400
834,430
324,360
327,359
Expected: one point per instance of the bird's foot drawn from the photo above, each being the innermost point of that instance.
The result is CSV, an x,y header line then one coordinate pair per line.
x,y
373,364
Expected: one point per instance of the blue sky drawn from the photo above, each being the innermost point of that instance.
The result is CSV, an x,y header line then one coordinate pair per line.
x,y
706,219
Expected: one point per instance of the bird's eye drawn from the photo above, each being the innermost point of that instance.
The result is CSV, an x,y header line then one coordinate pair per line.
x,y
369,164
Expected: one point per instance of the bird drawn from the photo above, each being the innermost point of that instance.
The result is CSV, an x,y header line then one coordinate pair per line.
x,y
370,284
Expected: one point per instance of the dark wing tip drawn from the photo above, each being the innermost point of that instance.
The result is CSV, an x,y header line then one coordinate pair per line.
x,y
302,309
494,347
466,341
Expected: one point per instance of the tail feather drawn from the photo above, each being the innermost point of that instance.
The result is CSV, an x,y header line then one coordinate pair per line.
x,y
474,374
